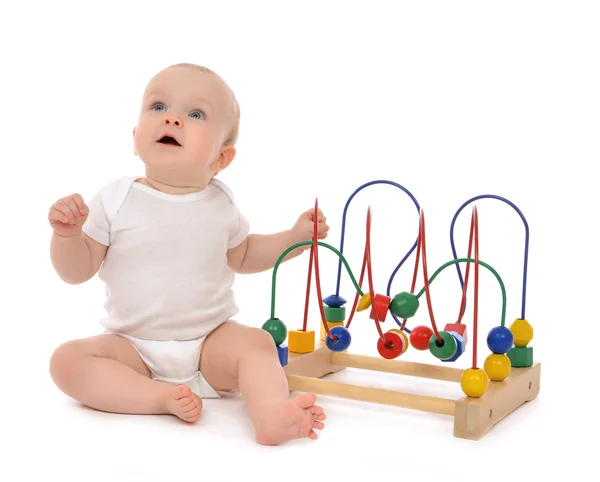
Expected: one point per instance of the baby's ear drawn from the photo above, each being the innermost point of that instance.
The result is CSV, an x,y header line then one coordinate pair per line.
x,y
226,158
134,151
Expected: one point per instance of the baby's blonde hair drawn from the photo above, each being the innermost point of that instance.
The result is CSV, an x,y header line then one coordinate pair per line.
x,y
232,138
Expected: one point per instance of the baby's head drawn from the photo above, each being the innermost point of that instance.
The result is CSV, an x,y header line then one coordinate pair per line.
x,y
187,127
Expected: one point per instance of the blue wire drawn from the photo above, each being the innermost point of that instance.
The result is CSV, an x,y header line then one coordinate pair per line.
x,y
493,196
391,183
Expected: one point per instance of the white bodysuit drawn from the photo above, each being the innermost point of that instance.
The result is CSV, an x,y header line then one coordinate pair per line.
x,y
166,275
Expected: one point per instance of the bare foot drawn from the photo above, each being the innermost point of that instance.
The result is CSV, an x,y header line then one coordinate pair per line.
x,y
183,403
297,418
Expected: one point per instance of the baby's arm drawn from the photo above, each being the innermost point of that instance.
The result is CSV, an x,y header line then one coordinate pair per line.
x,y
260,252
75,256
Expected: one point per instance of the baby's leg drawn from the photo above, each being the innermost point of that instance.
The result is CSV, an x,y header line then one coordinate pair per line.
x,y
236,356
106,373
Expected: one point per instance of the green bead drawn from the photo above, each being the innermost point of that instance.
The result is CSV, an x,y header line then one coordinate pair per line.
x,y
520,356
335,313
404,305
448,346
277,329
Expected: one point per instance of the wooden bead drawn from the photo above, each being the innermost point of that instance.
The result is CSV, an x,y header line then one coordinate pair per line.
x,y
364,302
404,337
520,356
343,339
404,305
335,301
459,328
301,341
474,382
335,314
282,351
444,349
392,346
497,366
420,336
460,347
500,340
330,324
522,332
277,329
380,306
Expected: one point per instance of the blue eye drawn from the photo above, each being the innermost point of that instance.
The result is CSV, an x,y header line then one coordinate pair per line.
x,y
197,115
158,108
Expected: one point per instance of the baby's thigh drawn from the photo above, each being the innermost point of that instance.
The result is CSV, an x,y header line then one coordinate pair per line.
x,y
225,347
109,346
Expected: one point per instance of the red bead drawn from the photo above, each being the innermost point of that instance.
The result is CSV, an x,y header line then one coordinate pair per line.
x,y
419,337
381,303
392,347
459,328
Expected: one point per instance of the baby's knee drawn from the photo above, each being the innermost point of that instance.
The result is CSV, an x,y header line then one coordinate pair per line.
x,y
64,363
259,339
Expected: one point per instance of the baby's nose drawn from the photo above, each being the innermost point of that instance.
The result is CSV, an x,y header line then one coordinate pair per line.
x,y
173,120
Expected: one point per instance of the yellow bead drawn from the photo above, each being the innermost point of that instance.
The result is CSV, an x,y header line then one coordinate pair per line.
x,y
402,334
301,341
364,302
330,324
474,382
497,366
522,332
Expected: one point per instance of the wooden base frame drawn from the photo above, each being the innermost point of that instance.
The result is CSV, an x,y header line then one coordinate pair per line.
x,y
473,417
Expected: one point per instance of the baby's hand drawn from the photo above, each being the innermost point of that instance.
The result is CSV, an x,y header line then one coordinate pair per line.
x,y
67,215
303,230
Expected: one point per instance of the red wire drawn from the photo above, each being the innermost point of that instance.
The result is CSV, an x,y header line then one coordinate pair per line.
x,y
414,280
426,281
310,267
464,294
315,248
370,276
362,275
476,288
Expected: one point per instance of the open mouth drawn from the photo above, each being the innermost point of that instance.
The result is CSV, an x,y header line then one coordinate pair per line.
x,y
168,140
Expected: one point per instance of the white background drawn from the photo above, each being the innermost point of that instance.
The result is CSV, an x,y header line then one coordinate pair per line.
x,y
449,99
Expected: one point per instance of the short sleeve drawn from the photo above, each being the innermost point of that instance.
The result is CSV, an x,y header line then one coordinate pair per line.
x,y
239,231
239,226
103,207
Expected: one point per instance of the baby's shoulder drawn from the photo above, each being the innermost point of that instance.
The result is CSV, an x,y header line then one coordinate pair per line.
x,y
113,192
224,190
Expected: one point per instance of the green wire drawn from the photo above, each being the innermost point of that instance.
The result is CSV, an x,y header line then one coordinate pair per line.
x,y
306,243
470,260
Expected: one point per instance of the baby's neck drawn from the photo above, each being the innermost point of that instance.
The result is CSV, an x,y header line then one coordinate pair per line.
x,y
167,186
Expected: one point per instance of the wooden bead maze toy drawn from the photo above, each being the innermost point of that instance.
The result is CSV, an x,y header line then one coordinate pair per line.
x,y
509,376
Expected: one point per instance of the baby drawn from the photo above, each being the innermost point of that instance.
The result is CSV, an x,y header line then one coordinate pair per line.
x,y
167,246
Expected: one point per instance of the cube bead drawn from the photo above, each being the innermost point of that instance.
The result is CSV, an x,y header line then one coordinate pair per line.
x,y
301,341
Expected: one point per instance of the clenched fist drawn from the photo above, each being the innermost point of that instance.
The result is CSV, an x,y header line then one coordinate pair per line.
x,y
303,230
68,214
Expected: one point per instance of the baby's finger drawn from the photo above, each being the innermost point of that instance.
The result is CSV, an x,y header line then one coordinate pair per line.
x,y
56,215
64,208
80,204
69,202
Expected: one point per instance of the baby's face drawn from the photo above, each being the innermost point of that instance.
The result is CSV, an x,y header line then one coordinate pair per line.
x,y
184,120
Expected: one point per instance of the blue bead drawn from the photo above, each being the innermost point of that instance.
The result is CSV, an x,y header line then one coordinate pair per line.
x,y
335,301
460,346
282,351
500,340
343,339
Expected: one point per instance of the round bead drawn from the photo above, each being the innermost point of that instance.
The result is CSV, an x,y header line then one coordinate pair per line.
x,y
444,350
277,329
343,339
419,337
404,337
391,347
500,339
404,305
474,382
335,301
497,366
522,332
